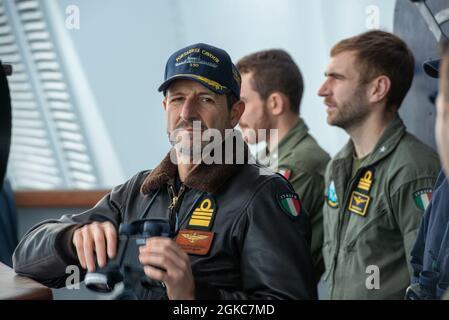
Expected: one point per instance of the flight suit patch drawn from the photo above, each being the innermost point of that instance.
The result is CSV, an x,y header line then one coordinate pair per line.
x,y
290,204
422,198
332,199
360,199
287,173
202,216
359,203
194,241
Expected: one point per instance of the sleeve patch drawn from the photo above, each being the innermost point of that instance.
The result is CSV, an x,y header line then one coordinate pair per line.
x,y
290,204
422,198
287,173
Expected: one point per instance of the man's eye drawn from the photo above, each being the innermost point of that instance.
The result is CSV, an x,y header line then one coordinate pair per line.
x,y
176,99
207,100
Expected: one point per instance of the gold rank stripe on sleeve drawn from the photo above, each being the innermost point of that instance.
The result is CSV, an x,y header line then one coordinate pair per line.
x,y
360,199
202,216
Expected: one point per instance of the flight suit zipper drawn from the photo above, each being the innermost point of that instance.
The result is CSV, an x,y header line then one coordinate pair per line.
x,y
340,226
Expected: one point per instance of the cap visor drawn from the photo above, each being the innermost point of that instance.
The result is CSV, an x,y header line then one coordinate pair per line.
x,y
215,88
431,68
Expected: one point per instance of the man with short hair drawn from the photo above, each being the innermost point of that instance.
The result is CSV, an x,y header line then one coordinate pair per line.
x,y
272,88
379,184
241,232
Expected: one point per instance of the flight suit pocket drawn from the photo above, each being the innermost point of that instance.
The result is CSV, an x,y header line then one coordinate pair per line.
x,y
368,227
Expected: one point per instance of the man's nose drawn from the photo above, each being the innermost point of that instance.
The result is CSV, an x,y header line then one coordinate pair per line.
x,y
324,91
189,109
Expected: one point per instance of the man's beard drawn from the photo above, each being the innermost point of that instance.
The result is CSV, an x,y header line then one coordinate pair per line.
x,y
193,146
257,133
187,143
353,112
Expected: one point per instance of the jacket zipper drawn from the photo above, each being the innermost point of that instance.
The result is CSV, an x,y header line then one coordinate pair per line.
x,y
175,202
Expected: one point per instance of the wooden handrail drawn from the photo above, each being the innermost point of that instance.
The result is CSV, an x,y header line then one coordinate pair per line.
x,y
14,287
58,198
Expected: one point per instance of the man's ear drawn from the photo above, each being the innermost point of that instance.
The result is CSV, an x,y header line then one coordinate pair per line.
x,y
277,103
164,103
236,112
379,88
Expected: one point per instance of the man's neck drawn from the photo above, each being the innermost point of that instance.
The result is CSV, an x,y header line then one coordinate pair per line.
x,y
184,170
367,134
283,126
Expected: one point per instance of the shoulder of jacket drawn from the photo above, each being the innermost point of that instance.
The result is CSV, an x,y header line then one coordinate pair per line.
x,y
412,161
310,159
130,186
252,180
411,154
138,178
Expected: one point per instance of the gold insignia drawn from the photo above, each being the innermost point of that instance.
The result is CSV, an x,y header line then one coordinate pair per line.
x,y
359,200
202,216
365,182
195,242
359,203
194,237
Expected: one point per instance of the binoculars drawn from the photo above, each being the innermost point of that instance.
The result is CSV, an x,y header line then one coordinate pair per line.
x,y
125,267
427,288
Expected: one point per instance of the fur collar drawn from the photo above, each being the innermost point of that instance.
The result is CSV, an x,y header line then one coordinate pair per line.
x,y
204,177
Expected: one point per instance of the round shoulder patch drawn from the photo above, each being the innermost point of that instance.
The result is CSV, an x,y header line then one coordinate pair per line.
x,y
290,204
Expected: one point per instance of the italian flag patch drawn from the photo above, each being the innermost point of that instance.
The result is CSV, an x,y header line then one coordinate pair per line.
x,y
289,203
422,198
286,173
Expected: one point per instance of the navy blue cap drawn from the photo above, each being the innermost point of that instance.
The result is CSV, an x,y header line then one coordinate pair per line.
x,y
431,67
210,66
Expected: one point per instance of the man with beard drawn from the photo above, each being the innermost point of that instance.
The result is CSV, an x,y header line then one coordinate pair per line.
x,y
272,88
379,184
240,230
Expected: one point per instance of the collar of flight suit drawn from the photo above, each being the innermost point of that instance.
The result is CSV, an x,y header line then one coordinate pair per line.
x,y
293,137
204,177
385,146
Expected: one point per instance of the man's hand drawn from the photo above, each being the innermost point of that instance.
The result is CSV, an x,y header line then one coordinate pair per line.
x,y
177,275
99,238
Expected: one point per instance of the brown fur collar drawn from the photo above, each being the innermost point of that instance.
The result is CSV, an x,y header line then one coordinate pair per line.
x,y
207,178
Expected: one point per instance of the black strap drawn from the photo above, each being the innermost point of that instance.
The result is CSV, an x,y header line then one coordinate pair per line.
x,y
5,124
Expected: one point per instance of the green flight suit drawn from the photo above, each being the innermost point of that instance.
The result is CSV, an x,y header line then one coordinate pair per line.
x,y
371,220
303,162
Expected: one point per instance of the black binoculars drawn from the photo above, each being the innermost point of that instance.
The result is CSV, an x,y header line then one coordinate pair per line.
x,y
125,267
